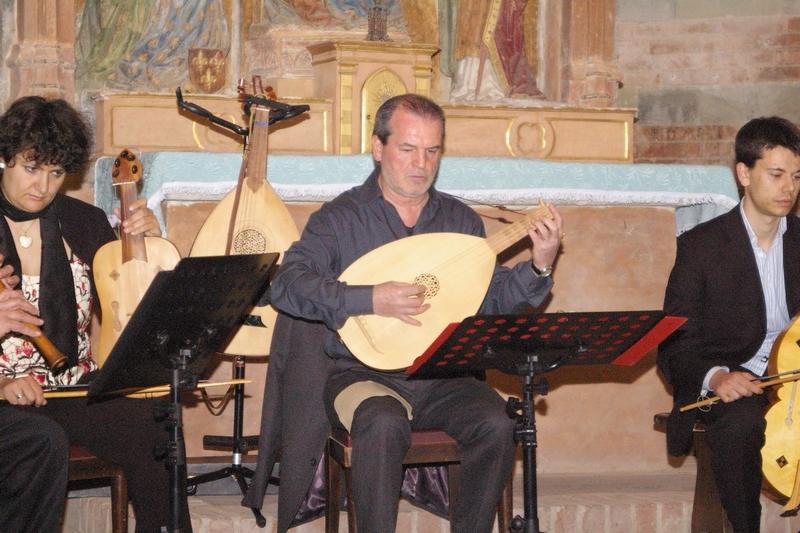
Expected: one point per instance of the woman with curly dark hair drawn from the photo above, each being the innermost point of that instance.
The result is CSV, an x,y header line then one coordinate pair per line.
x,y
48,241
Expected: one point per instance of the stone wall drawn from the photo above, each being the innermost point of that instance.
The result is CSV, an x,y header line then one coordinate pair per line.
x,y
697,70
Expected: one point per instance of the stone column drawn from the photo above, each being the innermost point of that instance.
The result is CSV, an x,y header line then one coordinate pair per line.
x,y
594,78
42,58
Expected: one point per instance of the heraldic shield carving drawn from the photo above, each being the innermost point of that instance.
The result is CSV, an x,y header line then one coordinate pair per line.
x,y
207,69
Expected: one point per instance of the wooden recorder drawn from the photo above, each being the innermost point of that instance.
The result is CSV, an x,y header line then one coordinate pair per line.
x,y
55,359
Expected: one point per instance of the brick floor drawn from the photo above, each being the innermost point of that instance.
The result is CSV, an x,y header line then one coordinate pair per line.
x,y
631,503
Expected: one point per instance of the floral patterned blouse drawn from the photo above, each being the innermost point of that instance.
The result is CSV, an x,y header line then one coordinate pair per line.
x,y
21,357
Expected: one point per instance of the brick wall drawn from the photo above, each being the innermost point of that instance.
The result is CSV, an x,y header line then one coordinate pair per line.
x,y
694,145
695,82
724,51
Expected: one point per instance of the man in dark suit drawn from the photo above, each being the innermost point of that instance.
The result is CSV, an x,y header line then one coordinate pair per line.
x,y
737,280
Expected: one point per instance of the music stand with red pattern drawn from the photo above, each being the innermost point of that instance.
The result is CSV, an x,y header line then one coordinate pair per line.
x,y
529,345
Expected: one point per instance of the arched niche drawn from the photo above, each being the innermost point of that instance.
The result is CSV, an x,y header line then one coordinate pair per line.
x,y
379,87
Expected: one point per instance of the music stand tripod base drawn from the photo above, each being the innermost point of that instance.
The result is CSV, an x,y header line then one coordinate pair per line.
x,y
238,443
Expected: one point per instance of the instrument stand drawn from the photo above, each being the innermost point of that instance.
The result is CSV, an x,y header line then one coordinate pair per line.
x,y
237,443
185,316
529,345
278,111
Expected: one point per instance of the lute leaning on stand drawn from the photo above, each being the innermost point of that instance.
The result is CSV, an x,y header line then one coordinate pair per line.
x,y
250,219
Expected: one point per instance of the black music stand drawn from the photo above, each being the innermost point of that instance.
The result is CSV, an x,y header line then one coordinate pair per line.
x,y
529,345
185,316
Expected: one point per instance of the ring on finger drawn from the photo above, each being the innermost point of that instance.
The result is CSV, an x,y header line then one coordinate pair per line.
x,y
19,396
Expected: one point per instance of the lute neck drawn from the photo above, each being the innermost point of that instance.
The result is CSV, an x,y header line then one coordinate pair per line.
x,y
133,246
257,148
501,240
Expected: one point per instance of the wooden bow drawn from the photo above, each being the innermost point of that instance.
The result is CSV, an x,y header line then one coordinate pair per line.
x,y
791,375
141,392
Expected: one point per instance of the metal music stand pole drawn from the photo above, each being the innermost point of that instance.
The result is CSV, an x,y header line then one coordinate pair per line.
x,y
525,433
176,449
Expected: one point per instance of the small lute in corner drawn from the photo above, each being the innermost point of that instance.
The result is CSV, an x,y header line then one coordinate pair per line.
x,y
124,269
454,268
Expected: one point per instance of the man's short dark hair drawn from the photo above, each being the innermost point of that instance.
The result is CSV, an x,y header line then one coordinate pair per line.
x,y
765,133
413,103
52,130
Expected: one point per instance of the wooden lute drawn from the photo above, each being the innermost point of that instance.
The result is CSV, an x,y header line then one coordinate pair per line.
x,y
124,269
250,219
455,270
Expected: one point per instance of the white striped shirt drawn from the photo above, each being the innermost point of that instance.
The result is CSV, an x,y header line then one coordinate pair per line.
x,y
770,270
770,267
